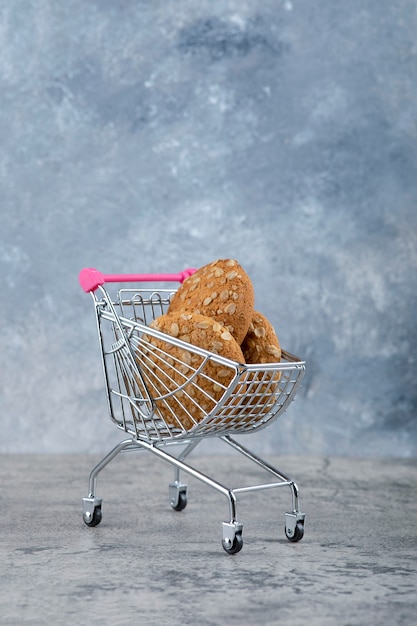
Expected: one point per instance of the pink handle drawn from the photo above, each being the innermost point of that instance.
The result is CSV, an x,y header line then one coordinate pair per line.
x,y
90,279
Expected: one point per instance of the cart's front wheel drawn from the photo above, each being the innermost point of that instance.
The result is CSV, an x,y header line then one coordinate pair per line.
x,y
181,501
297,534
93,519
235,546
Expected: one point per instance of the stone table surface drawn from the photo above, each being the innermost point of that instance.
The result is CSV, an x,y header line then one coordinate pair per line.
x,y
147,564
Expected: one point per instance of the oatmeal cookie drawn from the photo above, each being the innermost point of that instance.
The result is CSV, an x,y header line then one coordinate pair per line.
x,y
221,290
261,345
185,394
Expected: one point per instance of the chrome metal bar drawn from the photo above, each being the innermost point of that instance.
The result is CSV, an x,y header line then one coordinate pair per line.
x,y
260,487
266,466
195,473
105,461
250,455
188,449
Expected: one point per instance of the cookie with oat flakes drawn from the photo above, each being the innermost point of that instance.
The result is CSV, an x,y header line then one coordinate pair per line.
x,y
185,384
221,290
261,345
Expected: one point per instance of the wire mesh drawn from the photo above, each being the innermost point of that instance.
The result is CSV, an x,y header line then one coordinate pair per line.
x,y
160,387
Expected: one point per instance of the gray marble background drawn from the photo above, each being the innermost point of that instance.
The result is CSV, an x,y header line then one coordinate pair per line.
x,y
149,136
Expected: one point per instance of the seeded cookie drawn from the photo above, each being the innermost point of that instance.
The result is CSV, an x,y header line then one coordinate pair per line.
x,y
261,345
221,290
170,370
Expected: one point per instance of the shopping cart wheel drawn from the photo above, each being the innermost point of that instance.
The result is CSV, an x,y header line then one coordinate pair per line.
x,y
181,503
232,537
294,526
178,496
235,546
94,518
92,510
297,535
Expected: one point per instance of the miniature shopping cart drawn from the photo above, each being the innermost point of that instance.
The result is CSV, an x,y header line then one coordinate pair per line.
x,y
148,388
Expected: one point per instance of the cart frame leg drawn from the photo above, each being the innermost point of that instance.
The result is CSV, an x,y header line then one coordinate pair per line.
x,y
232,530
188,469
294,519
178,462
105,461
92,504
178,489
284,480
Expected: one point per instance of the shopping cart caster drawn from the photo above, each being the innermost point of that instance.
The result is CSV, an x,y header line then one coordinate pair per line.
x,y
92,511
294,526
232,537
178,496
